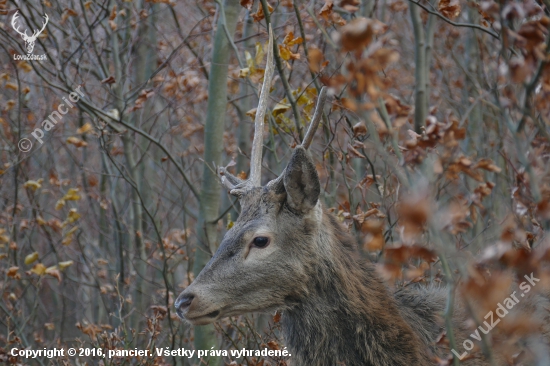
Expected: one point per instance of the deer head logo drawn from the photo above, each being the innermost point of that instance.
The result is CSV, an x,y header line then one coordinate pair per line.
x,y
29,40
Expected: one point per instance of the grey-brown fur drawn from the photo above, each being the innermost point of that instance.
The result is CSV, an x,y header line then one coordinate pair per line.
x,y
336,310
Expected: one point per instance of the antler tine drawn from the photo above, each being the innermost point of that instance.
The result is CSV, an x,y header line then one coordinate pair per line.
x,y
257,144
15,26
316,118
229,180
44,25
309,135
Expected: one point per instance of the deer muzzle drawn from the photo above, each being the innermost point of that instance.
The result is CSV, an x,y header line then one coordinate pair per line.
x,y
182,304
188,308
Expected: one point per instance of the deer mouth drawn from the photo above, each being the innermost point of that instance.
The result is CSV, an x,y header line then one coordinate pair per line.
x,y
203,319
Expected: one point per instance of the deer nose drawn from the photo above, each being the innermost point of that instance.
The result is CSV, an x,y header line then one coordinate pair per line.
x,y
183,302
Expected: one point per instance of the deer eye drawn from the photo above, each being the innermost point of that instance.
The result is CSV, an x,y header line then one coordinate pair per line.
x,y
260,242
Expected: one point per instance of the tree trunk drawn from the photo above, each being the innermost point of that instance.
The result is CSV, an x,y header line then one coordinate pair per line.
x,y
205,336
420,100
137,252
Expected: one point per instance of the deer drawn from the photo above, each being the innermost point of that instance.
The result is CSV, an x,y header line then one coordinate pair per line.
x,y
29,40
286,253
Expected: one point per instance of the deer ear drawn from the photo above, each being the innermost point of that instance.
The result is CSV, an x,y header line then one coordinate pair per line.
x,y
301,182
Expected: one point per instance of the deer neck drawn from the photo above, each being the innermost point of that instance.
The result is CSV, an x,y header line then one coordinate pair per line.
x,y
348,317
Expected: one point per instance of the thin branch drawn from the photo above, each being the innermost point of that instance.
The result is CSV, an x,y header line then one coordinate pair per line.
x,y
172,159
465,25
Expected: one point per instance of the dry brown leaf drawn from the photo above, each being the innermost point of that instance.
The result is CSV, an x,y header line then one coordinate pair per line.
x,y
359,129
353,153
273,345
109,80
403,253
286,54
259,15
85,128
315,58
12,272
326,10
54,272
290,41
413,215
357,34
449,8
247,4
374,234
76,142
112,16
142,98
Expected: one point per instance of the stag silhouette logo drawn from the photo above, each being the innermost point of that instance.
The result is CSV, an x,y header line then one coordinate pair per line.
x,y
29,40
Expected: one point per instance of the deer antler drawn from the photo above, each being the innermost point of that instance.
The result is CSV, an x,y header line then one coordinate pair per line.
x,y
235,185
37,32
229,181
309,134
257,144
316,118
16,27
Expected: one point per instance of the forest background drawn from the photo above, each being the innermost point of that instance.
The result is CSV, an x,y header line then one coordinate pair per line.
x,y
433,152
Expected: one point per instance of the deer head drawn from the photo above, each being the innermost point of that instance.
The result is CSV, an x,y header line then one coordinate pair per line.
x,y
264,259
29,40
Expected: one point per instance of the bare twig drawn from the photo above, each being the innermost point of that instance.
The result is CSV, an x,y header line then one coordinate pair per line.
x,y
465,25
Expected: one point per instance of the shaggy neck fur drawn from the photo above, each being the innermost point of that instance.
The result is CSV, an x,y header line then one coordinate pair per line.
x,y
347,317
